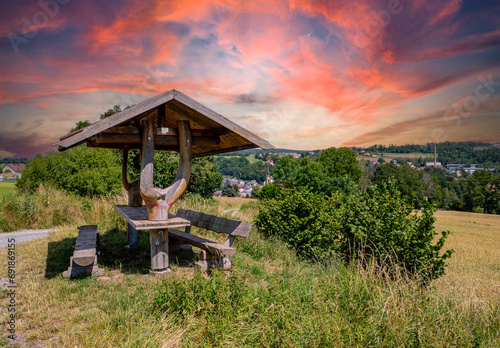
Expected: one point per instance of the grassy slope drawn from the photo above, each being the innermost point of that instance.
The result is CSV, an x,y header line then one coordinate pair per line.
x,y
284,301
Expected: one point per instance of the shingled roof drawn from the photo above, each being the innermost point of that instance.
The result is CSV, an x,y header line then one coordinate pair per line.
x,y
212,132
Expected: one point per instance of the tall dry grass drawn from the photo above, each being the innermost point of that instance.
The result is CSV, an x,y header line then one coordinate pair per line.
x,y
49,207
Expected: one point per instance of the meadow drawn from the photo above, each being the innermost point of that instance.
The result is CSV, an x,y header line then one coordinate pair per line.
x,y
270,298
7,187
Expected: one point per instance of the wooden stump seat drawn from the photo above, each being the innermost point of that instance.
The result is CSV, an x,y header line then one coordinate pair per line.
x,y
213,255
84,259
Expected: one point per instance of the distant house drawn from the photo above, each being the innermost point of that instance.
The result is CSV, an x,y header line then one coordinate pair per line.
x,y
431,164
14,168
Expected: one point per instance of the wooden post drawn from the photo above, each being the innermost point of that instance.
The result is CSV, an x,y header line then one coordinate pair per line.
x,y
134,200
159,250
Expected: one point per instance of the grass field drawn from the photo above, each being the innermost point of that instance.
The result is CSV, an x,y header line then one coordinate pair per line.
x,y
251,158
474,269
7,187
270,298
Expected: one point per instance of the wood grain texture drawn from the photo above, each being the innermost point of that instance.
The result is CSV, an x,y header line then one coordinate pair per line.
x,y
159,249
214,248
137,111
214,223
137,217
159,140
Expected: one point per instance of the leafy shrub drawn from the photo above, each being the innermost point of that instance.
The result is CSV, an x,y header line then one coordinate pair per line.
x,y
378,224
81,170
270,191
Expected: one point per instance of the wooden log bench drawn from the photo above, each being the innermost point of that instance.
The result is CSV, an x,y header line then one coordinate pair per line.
x,y
213,255
84,259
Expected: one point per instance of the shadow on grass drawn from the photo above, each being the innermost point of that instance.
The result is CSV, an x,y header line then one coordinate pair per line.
x,y
58,254
114,256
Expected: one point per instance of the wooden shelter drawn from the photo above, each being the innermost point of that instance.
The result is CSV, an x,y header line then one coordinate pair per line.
x,y
169,121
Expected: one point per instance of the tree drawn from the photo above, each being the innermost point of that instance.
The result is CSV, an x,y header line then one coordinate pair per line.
x,y
482,190
80,125
114,110
229,189
205,177
340,162
408,181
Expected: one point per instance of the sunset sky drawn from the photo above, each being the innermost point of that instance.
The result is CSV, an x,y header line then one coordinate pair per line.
x,y
302,74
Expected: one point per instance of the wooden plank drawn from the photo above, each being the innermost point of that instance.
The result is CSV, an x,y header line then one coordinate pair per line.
x,y
116,119
137,217
159,140
213,132
193,104
129,146
213,248
216,224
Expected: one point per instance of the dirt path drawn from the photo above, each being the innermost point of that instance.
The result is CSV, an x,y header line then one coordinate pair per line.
x,y
24,235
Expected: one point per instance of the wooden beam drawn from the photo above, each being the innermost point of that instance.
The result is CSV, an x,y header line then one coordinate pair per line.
x,y
130,146
161,116
214,248
212,132
230,149
161,140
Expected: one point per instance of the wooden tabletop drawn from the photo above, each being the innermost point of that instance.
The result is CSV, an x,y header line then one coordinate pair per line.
x,y
138,218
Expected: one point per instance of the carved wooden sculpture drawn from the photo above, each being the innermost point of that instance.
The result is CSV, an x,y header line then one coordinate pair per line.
x,y
158,201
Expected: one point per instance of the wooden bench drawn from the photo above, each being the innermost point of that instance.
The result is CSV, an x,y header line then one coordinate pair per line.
x,y
213,255
84,259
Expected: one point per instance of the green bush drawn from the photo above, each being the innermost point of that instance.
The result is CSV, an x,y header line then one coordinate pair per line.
x,y
81,170
377,224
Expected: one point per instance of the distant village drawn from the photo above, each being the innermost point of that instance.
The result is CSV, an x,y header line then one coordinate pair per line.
x,y
12,171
